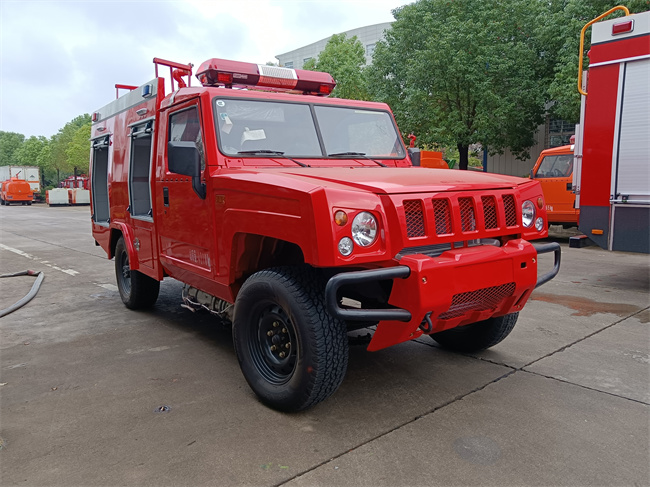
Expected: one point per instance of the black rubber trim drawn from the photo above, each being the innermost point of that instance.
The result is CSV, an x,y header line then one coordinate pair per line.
x,y
358,277
545,248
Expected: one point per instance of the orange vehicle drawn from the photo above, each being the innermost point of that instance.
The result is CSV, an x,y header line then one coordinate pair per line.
x,y
16,190
554,170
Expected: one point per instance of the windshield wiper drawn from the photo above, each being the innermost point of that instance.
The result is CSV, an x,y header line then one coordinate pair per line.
x,y
274,153
355,154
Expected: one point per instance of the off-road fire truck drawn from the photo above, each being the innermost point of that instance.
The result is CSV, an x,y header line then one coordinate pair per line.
x,y
298,217
611,175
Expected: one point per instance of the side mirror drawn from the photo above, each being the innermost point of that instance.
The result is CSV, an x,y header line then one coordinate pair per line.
x,y
414,154
183,158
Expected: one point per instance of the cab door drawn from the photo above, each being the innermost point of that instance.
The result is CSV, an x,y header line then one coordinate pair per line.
x,y
555,174
186,233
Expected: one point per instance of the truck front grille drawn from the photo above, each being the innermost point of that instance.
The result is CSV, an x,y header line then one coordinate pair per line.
x,y
467,216
442,215
454,215
480,300
511,210
414,218
490,212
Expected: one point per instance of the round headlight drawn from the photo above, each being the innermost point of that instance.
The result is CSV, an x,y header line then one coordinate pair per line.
x,y
528,213
345,246
364,229
539,224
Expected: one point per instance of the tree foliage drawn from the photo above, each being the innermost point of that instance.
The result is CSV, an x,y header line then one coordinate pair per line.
x,y
78,150
559,33
344,58
57,157
60,160
462,72
9,144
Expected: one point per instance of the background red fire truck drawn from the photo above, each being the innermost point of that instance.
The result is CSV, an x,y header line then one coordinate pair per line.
x,y
611,175
299,217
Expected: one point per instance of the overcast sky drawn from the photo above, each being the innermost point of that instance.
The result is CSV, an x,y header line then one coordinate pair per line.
x,y
60,59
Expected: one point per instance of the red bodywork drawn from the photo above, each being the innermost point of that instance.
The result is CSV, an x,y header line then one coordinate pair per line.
x,y
82,181
613,183
263,211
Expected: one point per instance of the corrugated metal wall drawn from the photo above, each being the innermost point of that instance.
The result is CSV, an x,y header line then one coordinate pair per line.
x,y
507,164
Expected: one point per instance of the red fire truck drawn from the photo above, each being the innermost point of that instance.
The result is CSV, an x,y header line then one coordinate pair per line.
x,y
612,154
298,217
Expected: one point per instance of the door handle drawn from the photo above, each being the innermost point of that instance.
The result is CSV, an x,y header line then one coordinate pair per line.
x,y
166,196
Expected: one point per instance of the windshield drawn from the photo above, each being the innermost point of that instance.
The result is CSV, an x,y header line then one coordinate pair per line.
x,y
245,127
555,166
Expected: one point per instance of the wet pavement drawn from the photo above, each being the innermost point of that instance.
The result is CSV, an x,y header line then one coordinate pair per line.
x,y
94,394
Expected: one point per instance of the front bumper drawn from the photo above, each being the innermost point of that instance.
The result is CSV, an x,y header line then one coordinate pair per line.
x,y
459,287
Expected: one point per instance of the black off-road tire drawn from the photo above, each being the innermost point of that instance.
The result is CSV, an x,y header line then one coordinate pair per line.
x,y
292,352
137,290
477,336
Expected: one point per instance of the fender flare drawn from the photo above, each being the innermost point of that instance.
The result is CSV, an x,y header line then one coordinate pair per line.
x,y
134,262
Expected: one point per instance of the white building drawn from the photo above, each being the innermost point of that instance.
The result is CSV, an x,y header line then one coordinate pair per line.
x,y
368,36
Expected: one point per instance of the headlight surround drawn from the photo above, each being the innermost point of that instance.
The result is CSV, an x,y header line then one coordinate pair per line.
x,y
364,229
528,213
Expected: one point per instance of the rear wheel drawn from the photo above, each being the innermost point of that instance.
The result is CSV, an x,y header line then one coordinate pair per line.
x,y
477,336
292,352
137,290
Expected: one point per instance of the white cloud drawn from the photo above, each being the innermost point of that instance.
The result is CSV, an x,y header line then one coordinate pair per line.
x,y
60,59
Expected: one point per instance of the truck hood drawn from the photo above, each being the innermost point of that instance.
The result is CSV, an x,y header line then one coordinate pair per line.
x,y
402,180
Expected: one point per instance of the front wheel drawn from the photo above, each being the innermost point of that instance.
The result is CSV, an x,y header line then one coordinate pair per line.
x,y
477,336
292,352
137,290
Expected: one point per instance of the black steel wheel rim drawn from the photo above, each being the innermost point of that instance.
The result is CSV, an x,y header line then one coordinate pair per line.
x,y
273,344
125,272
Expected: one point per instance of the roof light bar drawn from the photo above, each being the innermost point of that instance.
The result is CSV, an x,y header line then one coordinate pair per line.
x,y
221,72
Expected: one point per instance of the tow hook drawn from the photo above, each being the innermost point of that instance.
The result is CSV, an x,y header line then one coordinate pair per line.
x,y
426,326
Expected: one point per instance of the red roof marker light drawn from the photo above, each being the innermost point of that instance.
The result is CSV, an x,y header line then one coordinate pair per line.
x,y
623,27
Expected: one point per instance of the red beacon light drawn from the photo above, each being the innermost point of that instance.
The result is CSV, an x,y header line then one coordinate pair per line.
x,y
221,72
623,27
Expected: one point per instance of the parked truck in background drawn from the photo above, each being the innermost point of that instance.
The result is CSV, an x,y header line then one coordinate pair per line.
x,y
15,191
297,218
554,171
612,149
31,174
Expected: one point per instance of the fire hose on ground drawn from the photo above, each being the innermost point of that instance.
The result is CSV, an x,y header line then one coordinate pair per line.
x,y
29,296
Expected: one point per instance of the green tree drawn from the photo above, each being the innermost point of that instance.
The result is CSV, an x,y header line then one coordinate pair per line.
x,y
59,160
78,150
9,144
464,72
559,33
28,152
344,59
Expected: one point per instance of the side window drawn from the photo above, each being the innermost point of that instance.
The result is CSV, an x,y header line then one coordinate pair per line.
x,y
186,126
99,180
140,171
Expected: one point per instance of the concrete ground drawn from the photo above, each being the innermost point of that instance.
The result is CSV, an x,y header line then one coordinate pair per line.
x,y
564,400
